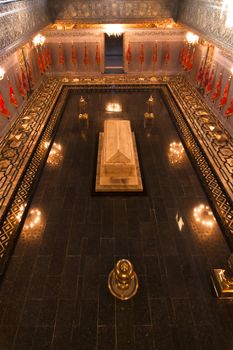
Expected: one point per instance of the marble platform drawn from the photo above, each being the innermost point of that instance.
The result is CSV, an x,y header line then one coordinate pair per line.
x,y
117,164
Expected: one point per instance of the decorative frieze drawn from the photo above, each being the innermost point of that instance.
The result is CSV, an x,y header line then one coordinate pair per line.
x,y
106,11
207,18
18,21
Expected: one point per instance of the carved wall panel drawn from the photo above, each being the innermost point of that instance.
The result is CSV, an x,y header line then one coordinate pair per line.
x,y
19,20
90,38
207,18
112,10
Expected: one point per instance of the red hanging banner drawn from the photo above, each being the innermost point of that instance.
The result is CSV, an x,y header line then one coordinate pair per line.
x,y
141,54
224,98
217,91
167,55
128,54
73,55
200,72
186,59
85,59
154,55
61,56
13,100
183,56
40,64
20,85
97,55
210,85
44,58
3,110
229,111
206,79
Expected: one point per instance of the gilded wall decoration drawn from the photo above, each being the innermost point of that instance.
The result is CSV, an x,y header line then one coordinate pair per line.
x,y
19,20
112,10
206,18
16,145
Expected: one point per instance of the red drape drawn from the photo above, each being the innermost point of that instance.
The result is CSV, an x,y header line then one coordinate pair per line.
x,y
97,55
229,111
128,54
154,55
40,64
206,79
167,54
217,91
44,58
73,54
61,56
223,100
13,100
181,55
187,58
200,72
3,110
210,85
85,59
141,54
20,85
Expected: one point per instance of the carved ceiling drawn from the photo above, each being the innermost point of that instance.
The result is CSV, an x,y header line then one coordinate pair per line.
x,y
102,11
21,19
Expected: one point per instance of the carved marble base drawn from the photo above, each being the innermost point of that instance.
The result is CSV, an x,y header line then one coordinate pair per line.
x,y
222,288
105,183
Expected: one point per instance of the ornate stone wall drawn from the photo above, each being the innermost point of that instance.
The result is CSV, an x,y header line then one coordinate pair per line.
x,y
19,20
106,11
207,18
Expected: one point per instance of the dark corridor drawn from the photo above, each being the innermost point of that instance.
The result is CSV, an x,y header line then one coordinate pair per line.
x,y
113,54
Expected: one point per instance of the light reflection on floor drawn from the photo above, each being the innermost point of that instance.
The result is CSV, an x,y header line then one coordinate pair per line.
x,y
81,236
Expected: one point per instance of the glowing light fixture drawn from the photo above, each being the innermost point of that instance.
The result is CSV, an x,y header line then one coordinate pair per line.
x,y
176,152
113,29
38,40
2,73
192,38
113,107
204,215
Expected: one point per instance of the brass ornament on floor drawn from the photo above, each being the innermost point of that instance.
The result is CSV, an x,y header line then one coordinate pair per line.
x,y
123,281
223,280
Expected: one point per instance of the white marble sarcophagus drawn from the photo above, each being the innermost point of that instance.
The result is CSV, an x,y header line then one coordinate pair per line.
x,y
118,154
117,165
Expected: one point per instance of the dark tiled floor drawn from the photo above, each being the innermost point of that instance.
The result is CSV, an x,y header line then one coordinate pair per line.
x,y
54,294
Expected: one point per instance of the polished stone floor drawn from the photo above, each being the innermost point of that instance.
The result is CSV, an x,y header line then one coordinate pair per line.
x,y
54,294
